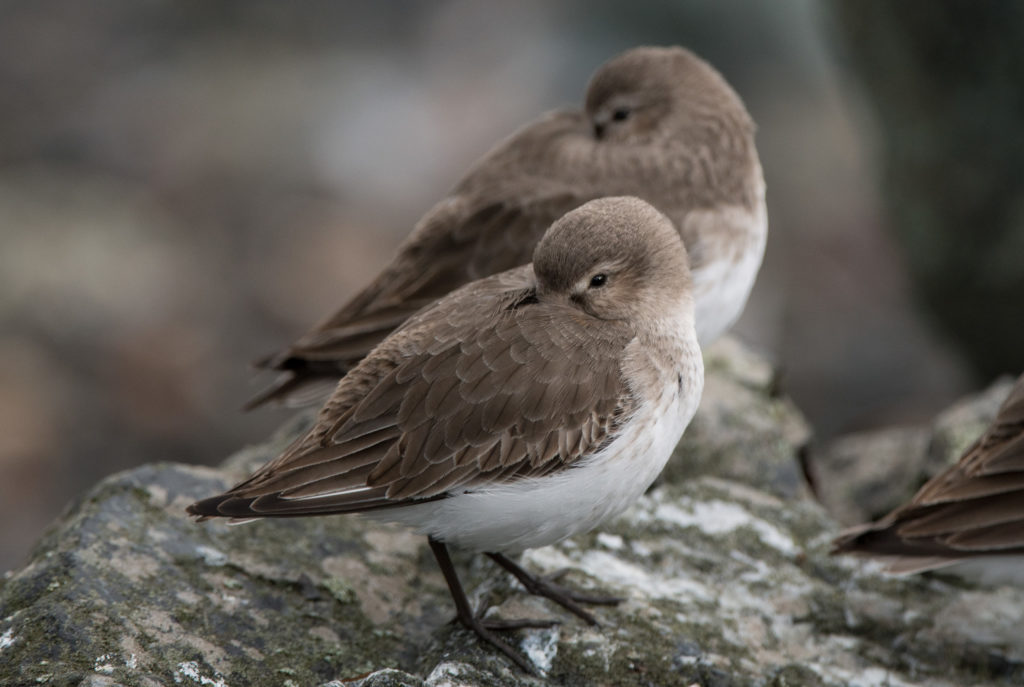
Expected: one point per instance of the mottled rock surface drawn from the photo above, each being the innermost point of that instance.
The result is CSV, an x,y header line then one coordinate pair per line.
x,y
863,476
725,578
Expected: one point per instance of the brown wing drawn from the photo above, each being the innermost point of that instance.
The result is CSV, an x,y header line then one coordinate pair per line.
x,y
462,239
487,384
489,224
975,508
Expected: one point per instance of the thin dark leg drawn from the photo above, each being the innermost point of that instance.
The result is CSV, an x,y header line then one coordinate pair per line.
x,y
546,587
482,628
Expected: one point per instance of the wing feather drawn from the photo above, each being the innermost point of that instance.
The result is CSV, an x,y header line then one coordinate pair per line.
x,y
457,241
466,392
975,507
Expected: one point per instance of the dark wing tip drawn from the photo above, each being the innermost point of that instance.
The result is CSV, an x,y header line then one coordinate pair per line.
x,y
301,383
294,374
850,540
259,399
884,539
277,390
222,506
266,362
206,508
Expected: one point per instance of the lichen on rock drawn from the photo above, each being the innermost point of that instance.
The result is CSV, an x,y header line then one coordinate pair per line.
x,y
725,579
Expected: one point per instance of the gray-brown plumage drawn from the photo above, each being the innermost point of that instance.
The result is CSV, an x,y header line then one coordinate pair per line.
x,y
659,123
518,410
974,511
516,375
486,385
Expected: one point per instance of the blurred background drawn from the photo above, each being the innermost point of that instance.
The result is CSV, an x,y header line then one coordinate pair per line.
x,y
186,186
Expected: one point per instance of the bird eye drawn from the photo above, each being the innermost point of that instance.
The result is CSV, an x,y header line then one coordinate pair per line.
x,y
598,280
620,114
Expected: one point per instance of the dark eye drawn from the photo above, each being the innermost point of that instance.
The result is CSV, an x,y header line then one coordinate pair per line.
x,y
620,114
598,280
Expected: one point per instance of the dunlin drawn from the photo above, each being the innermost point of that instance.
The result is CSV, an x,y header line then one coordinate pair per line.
x,y
658,123
516,411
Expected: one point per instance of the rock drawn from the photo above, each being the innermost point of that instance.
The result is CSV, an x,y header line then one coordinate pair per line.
x,y
743,430
957,427
724,583
862,476
865,475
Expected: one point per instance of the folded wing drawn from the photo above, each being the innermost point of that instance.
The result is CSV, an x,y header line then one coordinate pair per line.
x,y
974,508
487,384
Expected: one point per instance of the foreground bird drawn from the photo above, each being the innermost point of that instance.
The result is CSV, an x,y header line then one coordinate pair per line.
x,y
968,519
519,410
659,123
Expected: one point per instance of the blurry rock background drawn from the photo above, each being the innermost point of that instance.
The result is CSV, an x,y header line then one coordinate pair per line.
x,y
185,186
944,79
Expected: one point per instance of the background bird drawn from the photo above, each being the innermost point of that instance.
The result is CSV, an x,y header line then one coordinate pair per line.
x,y
517,411
968,519
659,123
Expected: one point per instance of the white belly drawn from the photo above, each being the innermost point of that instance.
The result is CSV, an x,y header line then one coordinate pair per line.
x,y
541,511
724,271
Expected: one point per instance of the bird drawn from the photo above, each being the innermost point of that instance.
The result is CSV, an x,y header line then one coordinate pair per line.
x,y
517,411
967,520
658,123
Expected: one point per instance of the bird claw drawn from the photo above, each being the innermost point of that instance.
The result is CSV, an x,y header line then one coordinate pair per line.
x,y
547,586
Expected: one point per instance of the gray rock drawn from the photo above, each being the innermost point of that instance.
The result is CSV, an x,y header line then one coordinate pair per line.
x,y
957,427
863,476
724,583
743,430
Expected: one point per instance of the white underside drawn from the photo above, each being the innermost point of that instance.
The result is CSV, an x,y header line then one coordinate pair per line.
x,y
539,511
722,285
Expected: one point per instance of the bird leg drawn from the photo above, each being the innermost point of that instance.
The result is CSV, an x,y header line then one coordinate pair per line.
x,y
481,626
547,586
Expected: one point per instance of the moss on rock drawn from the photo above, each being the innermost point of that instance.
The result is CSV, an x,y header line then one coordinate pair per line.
x,y
725,580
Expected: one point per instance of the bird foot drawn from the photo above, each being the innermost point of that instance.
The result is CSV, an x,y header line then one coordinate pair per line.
x,y
483,627
548,587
